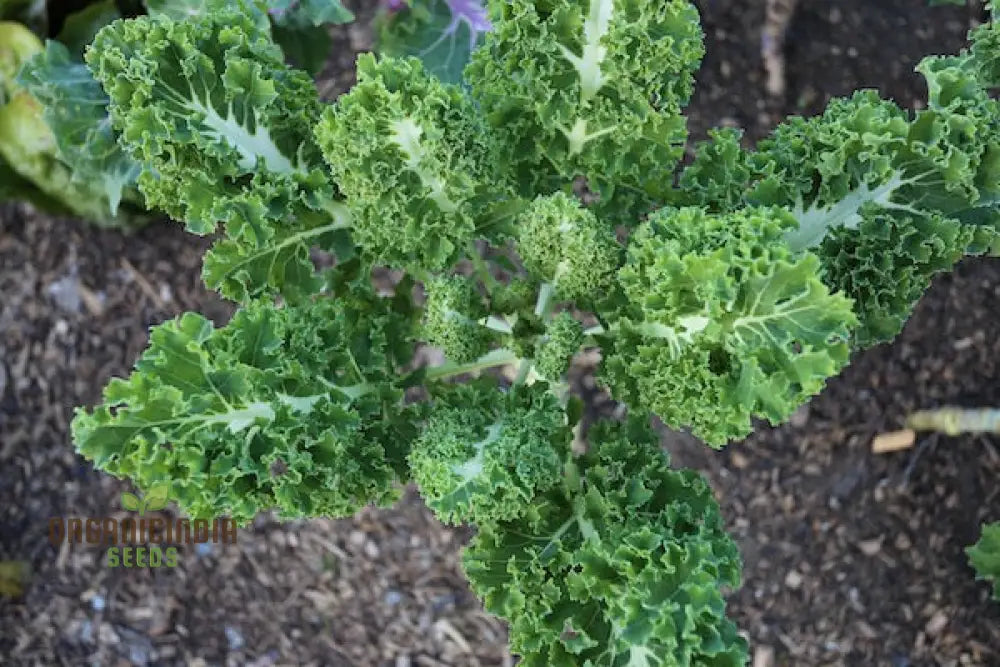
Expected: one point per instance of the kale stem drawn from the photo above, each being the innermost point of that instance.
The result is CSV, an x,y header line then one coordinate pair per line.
x,y
482,268
498,357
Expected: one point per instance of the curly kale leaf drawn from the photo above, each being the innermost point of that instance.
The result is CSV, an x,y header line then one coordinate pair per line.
x,y
884,198
454,319
566,245
590,88
719,175
223,130
293,408
719,322
299,27
622,564
887,264
482,455
555,349
415,161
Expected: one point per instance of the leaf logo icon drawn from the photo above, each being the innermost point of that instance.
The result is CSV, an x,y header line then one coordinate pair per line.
x,y
156,499
131,503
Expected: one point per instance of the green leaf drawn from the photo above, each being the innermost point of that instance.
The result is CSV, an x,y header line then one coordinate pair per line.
x,y
442,33
76,110
984,556
416,164
623,565
299,27
884,197
228,402
294,13
590,89
180,10
28,146
79,29
223,129
565,244
718,322
482,455
130,502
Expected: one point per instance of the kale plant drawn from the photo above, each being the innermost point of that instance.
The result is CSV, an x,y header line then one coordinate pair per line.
x,y
535,209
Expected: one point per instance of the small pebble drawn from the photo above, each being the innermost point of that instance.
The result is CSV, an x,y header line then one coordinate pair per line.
x,y
234,637
937,623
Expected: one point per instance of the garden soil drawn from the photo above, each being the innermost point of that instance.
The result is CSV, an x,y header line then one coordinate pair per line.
x,y
851,558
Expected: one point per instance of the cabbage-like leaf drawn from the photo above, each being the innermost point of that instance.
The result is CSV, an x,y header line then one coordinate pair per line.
x,y
442,33
28,147
75,109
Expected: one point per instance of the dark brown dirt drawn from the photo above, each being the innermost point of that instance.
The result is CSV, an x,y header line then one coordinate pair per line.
x,y
851,558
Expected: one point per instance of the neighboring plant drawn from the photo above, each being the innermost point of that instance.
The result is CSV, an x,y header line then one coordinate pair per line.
x,y
30,165
442,33
984,556
58,149
724,294
953,421
56,146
